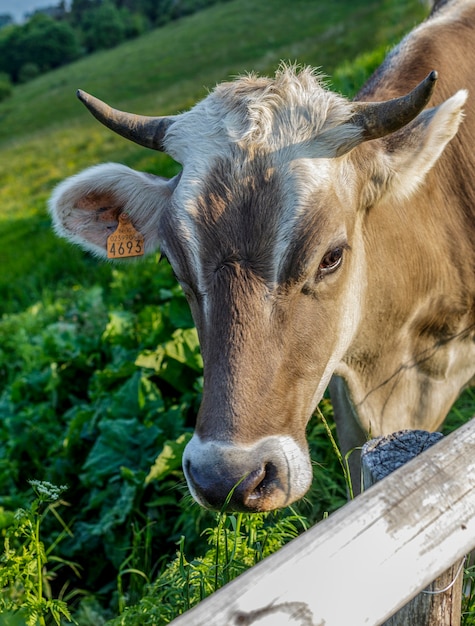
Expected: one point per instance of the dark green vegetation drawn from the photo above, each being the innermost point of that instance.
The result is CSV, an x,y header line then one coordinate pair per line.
x,y
100,367
51,39
39,45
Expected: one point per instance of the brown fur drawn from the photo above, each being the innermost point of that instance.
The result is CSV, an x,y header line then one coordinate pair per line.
x,y
429,238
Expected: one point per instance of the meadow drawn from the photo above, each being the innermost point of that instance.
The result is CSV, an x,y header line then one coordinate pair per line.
x,y
100,365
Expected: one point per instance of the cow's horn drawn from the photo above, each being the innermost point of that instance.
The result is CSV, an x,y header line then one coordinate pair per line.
x,y
146,131
381,118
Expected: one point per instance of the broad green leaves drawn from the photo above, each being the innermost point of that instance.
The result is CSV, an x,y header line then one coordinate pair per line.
x,y
169,459
174,359
100,392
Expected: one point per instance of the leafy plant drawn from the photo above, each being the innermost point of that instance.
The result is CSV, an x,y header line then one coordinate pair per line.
x,y
80,406
236,542
25,590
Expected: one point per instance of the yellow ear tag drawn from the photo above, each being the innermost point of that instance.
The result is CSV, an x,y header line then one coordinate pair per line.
x,y
125,241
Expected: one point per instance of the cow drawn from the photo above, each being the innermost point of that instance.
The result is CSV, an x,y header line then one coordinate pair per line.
x,y
319,242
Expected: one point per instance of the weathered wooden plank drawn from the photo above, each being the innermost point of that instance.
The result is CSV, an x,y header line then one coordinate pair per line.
x,y
369,558
440,603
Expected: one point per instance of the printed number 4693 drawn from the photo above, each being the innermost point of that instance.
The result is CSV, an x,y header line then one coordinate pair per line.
x,y
126,248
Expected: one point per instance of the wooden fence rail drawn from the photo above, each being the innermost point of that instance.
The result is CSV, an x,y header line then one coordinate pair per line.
x,y
369,558
439,604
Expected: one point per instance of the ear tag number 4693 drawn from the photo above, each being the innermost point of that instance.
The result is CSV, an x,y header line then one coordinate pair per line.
x,y
125,241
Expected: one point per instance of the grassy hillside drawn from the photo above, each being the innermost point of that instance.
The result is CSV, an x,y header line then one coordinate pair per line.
x,y
45,135
175,65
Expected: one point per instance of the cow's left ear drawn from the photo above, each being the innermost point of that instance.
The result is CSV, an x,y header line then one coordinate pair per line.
x,y
86,208
411,152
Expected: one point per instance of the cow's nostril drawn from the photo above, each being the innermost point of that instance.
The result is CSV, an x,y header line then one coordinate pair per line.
x,y
260,485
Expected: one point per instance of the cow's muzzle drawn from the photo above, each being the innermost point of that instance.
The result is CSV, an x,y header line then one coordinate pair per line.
x,y
270,474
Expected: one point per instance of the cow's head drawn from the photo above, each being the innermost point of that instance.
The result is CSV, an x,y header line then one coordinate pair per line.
x,y
264,230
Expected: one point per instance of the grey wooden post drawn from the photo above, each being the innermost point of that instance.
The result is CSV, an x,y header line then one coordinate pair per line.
x,y
440,603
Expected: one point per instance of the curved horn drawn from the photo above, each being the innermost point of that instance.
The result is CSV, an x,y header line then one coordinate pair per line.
x,y
381,118
146,131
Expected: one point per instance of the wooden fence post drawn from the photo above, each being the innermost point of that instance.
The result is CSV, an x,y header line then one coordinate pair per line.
x,y
440,603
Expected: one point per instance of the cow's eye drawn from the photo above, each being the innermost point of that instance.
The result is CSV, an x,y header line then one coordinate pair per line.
x,y
331,261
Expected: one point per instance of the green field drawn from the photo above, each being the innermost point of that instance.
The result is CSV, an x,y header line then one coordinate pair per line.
x,y
100,365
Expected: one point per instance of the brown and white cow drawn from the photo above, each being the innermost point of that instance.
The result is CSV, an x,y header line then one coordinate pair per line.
x,y
319,241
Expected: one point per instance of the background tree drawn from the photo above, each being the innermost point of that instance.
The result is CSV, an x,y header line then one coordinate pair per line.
x,y
5,86
103,26
5,19
10,51
79,8
42,42
47,41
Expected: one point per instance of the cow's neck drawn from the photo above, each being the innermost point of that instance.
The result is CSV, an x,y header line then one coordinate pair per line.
x,y
426,300
415,341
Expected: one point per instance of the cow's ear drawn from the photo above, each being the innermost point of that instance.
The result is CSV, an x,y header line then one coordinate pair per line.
x,y
410,153
86,208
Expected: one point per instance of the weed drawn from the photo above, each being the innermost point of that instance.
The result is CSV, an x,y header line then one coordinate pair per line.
x,y
236,542
343,460
468,598
27,567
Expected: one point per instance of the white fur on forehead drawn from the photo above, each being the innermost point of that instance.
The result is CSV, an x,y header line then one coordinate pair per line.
x,y
294,107
261,108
